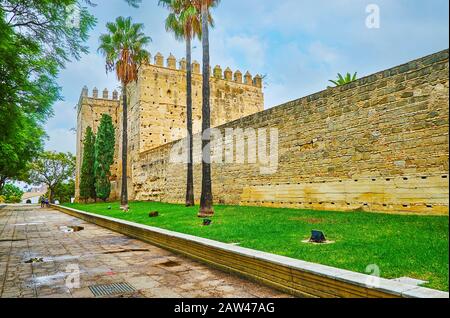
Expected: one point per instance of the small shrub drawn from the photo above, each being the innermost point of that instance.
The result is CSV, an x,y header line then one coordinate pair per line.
x,y
14,199
12,194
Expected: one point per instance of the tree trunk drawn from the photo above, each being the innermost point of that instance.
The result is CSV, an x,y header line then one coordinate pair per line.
x,y
2,183
206,200
50,195
190,169
124,191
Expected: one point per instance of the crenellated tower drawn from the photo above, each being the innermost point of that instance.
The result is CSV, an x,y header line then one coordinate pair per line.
x,y
91,107
157,109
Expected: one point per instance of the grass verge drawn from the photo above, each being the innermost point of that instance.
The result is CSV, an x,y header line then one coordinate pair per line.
x,y
400,245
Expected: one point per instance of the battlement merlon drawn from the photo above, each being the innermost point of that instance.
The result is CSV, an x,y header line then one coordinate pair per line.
x,y
86,98
217,72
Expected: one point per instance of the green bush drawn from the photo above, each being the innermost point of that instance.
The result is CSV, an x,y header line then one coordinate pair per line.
x,y
12,194
104,157
2,199
14,199
87,177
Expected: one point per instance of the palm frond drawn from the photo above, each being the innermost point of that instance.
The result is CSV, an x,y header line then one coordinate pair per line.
x,y
124,48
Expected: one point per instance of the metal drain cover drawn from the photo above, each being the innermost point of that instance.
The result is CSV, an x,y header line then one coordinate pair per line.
x,y
111,289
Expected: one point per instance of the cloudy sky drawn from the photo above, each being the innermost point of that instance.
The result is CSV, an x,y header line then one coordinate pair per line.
x,y
298,44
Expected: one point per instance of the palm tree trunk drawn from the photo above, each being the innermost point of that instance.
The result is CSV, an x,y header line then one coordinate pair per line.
x,y
190,169
206,200
124,191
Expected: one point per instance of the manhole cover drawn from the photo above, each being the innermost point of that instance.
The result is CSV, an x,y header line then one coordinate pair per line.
x,y
111,289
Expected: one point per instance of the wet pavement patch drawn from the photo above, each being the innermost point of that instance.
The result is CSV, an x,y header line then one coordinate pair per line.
x,y
170,264
34,260
48,280
71,229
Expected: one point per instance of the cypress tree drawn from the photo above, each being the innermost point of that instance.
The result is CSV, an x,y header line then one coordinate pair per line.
x,y
104,157
87,177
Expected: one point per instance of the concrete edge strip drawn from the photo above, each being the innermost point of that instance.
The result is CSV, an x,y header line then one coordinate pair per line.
x,y
352,279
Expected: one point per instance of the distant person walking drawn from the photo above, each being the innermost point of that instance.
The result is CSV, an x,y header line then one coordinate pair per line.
x,y
42,199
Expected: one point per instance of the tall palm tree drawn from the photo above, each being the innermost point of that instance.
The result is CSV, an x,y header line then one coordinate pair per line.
x,y
184,21
123,48
206,200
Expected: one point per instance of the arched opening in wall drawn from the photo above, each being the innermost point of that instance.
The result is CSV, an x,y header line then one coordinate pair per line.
x,y
169,92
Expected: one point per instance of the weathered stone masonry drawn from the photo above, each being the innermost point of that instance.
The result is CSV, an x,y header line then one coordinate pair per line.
x,y
90,111
378,144
157,110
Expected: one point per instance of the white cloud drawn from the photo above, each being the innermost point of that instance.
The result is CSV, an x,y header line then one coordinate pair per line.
x,y
251,48
61,140
322,53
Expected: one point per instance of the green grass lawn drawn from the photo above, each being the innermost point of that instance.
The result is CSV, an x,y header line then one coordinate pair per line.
x,y
400,245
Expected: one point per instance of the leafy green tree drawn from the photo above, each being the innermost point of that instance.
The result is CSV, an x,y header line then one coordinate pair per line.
x,y
19,148
123,48
87,176
12,193
206,199
341,80
37,38
52,169
27,92
35,42
64,191
104,157
60,28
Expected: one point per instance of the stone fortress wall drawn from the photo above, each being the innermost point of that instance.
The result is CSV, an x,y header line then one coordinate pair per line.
x,y
377,144
157,110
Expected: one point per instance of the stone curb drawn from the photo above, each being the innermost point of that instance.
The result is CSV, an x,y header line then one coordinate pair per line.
x,y
290,275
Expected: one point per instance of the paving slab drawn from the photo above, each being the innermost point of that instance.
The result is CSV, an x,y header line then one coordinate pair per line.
x,y
71,262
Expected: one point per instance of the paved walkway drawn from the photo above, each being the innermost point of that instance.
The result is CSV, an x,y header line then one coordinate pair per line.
x,y
102,257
